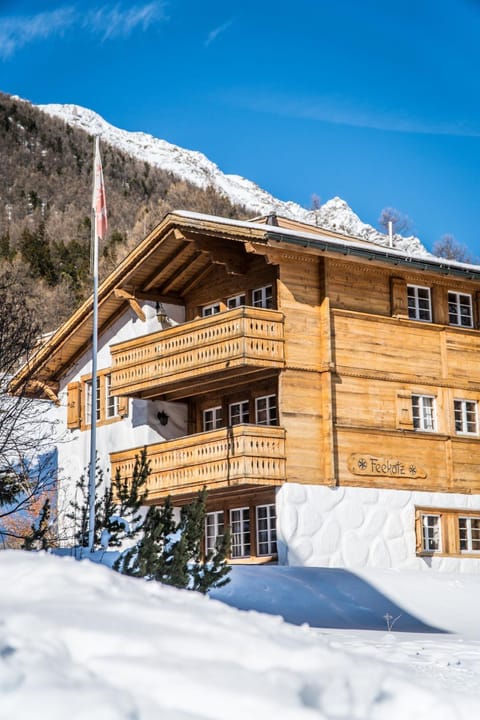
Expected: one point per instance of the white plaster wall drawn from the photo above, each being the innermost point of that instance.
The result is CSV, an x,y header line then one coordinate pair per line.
x,y
360,527
140,428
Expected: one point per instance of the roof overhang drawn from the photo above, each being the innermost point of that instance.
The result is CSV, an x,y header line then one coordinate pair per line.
x,y
178,254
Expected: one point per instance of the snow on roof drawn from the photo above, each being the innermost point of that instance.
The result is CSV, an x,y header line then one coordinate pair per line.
x,y
342,242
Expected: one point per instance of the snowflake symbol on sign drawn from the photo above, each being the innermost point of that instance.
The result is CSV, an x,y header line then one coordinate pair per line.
x,y
362,464
413,469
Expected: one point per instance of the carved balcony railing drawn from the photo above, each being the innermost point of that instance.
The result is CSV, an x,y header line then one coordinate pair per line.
x,y
199,355
231,457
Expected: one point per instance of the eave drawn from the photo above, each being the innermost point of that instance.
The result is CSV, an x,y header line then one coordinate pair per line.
x,y
177,255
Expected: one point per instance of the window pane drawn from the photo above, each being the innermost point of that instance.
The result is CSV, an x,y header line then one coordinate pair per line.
x,y
419,303
423,412
214,529
469,534
266,530
210,310
475,533
111,402
239,412
460,309
465,414
431,533
236,301
262,297
240,532
212,419
266,410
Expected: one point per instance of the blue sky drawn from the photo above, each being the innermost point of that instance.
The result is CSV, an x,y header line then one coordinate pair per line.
x,y
376,101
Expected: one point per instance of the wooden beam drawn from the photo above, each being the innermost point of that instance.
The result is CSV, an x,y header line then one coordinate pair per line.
x,y
155,296
45,388
222,252
201,274
187,265
118,292
154,280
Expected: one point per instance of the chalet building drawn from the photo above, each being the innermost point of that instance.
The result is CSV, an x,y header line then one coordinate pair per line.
x,y
323,388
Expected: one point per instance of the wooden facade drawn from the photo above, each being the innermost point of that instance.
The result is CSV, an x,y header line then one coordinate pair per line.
x,y
305,357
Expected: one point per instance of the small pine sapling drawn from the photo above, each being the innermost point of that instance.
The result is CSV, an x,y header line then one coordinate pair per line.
x,y
171,552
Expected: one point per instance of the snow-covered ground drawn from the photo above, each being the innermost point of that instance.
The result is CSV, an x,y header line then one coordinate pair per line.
x,y
80,641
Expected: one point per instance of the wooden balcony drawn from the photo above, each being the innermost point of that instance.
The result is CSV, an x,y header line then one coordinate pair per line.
x,y
243,455
200,355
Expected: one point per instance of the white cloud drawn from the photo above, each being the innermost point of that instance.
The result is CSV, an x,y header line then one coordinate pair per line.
x,y
115,21
337,111
108,21
16,32
213,34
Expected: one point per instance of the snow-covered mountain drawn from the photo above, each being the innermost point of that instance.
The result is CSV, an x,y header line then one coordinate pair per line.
x,y
195,167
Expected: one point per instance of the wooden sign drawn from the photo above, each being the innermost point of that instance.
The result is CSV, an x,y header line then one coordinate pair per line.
x,y
373,465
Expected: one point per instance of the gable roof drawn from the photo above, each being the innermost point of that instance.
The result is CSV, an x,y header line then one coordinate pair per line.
x,y
176,255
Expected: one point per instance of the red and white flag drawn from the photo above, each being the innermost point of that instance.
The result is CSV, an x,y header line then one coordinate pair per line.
x,y
99,201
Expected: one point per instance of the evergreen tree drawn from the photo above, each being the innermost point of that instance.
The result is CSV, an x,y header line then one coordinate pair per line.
x,y
118,514
39,536
171,552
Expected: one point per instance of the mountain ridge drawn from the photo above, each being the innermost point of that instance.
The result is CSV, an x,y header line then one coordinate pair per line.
x,y
196,168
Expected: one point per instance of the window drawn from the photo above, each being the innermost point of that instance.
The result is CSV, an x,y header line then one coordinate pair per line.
x,y
423,411
79,402
460,309
210,309
236,301
88,401
238,412
454,533
214,529
465,417
240,532
262,297
266,530
212,418
419,303
431,533
469,534
111,401
266,410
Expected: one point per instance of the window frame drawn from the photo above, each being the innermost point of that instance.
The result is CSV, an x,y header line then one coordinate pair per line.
x,y
111,401
243,414
451,534
238,301
88,385
468,520
454,299
212,538
244,544
211,307
216,418
265,299
270,530
416,309
463,417
425,538
422,416
267,409
103,415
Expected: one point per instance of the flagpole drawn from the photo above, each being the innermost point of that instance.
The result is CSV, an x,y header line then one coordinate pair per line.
x,y
93,419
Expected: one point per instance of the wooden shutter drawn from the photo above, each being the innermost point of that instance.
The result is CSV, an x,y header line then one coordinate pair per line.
x,y
404,410
398,297
123,406
74,405
418,532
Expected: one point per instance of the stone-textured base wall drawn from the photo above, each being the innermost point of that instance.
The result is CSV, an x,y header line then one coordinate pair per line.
x,y
360,527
